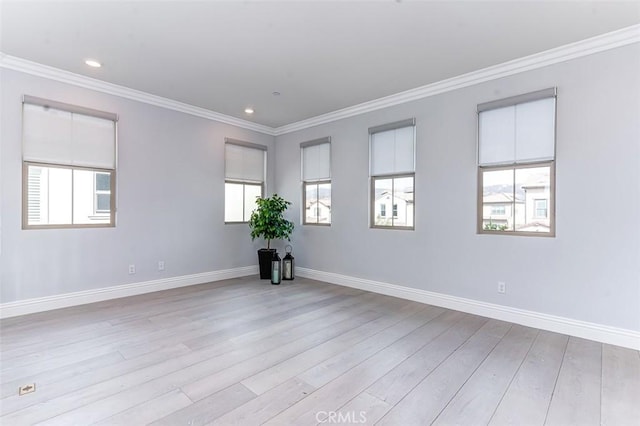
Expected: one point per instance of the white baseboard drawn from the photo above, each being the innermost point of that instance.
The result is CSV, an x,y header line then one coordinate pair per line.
x,y
40,304
572,327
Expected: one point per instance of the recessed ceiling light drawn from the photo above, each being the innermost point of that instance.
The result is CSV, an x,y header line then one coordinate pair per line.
x,y
93,63
275,93
248,110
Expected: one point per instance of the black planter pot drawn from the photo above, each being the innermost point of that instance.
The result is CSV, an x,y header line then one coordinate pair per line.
x,y
264,259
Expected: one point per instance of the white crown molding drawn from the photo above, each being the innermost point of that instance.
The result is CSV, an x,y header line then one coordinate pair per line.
x,y
41,304
34,68
575,50
560,54
572,327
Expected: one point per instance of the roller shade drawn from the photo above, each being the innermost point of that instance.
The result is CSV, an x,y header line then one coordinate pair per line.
x,y
520,133
393,151
244,162
316,160
58,136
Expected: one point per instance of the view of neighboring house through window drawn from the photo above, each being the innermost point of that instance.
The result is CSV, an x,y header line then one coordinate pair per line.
x,y
392,170
102,202
69,165
540,208
316,181
516,161
245,171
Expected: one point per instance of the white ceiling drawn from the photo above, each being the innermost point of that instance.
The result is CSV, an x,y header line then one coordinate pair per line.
x,y
321,56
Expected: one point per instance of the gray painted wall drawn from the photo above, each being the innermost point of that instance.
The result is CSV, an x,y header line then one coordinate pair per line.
x,y
590,271
170,200
171,171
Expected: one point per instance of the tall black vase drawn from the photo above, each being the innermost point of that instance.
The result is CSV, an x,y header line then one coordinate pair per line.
x,y
264,259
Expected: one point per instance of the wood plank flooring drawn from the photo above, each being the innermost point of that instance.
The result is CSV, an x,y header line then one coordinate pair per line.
x,y
244,352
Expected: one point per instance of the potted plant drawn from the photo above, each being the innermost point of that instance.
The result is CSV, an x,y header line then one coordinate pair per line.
x,y
267,221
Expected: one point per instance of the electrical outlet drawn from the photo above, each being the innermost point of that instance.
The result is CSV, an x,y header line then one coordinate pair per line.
x,y
23,390
160,265
502,287
132,269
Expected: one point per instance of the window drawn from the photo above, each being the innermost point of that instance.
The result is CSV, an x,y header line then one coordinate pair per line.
x,y
245,165
516,164
316,181
392,171
69,165
540,209
498,210
102,202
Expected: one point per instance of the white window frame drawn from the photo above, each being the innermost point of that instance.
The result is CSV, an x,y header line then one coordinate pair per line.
x,y
515,165
244,182
26,164
535,208
373,177
315,182
97,192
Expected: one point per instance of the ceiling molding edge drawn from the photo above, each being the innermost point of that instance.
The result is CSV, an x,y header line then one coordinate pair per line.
x,y
40,70
607,41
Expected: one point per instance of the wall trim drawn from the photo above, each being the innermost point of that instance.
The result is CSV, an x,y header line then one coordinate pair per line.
x,y
590,46
56,74
572,327
41,304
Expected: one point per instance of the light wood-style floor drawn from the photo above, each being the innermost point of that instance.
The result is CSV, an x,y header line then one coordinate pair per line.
x,y
303,353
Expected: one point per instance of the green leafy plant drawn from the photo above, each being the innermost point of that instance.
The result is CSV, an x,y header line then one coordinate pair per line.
x,y
267,220
495,227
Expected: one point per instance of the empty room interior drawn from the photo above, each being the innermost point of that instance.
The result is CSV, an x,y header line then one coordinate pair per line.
x,y
320,212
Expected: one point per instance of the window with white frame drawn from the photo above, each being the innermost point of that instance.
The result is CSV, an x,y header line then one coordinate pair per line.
x,y
102,202
316,181
245,171
540,207
392,172
516,164
69,165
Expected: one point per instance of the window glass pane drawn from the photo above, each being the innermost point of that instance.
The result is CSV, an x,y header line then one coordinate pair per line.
x,y
37,200
497,201
59,196
540,209
383,199
324,203
53,193
533,188
311,203
84,197
233,197
251,192
103,182
103,203
403,201
48,196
